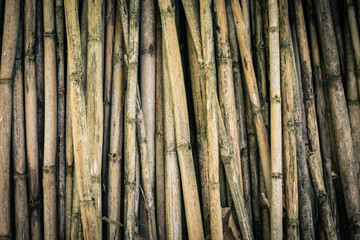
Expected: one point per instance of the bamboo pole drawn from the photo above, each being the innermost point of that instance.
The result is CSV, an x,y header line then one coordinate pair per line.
x,y
8,55
22,230
130,118
339,114
252,89
111,11
288,76
76,230
173,201
31,123
79,125
61,157
116,132
147,78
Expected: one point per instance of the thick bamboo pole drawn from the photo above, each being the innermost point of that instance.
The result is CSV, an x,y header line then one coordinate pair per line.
x,y
116,132
8,55
252,89
22,229
288,76
79,125
50,128
339,113
187,171
61,128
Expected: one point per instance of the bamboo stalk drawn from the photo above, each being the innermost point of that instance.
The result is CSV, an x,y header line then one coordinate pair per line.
x,y
321,196
130,118
252,89
339,112
159,136
211,121
173,208
22,230
76,230
187,171
50,128
111,11
31,121
79,125
288,76
60,49
8,55
116,132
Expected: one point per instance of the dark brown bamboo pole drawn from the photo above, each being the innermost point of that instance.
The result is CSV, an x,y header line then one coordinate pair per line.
x,y
159,135
288,76
145,173
50,121
252,89
339,114
111,11
61,158
22,229
116,132
187,171
352,93
321,197
173,208
147,78
79,124
130,118
31,120
8,55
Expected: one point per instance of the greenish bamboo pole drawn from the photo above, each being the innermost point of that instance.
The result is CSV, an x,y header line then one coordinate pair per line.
x,y
22,229
130,118
116,132
339,113
187,171
79,125
50,128
288,76
251,86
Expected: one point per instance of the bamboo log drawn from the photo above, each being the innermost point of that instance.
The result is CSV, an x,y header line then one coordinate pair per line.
x,y
22,230
61,157
79,125
187,171
340,115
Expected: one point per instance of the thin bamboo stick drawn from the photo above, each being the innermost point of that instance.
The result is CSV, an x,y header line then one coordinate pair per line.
x,y
75,211
79,125
22,230
339,114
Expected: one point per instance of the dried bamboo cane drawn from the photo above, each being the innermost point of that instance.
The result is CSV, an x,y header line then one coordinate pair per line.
x,y
84,33
252,89
321,197
108,75
275,122
159,136
50,128
22,230
130,118
173,208
145,173
187,171
343,139
8,55
352,93
79,125
75,211
211,118
31,120
147,78
61,157
288,76
116,132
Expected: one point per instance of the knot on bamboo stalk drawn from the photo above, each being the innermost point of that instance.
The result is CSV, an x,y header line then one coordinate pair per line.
x,y
322,198
96,178
285,43
19,176
275,99
130,185
6,81
293,222
6,237
273,29
276,175
29,55
86,202
223,60
289,125
256,111
184,147
49,35
35,204
334,79
353,102
167,13
114,157
95,38
49,169
69,170
61,91
309,98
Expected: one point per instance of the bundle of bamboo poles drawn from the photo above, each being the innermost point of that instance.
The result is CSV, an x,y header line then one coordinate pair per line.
x,y
191,119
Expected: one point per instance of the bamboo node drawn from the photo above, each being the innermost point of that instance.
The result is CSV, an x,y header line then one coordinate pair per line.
x,y
49,169
184,146
19,176
256,110
5,237
285,44
96,178
275,99
223,60
353,102
293,222
114,157
95,38
276,175
86,202
6,81
273,29
167,13
34,204
49,35
332,79
69,170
